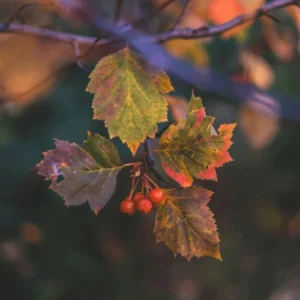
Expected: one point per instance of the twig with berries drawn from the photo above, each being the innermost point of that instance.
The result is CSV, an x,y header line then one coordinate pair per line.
x,y
149,197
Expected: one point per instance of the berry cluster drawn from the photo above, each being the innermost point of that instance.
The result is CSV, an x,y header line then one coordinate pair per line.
x,y
141,202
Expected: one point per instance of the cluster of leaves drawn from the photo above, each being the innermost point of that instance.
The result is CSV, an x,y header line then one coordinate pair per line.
x,y
131,99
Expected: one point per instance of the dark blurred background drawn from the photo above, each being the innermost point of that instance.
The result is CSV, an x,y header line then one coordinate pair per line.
x,y
50,252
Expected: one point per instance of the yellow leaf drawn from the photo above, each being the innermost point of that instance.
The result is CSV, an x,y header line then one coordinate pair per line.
x,y
282,44
185,223
259,129
192,50
128,98
178,107
258,70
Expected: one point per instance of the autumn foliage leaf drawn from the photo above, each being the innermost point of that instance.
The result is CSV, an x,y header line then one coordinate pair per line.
x,y
221,11
192,149
128,98
186,224
89,171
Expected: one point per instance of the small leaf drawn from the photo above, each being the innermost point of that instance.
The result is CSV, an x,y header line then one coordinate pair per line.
x,y
259,129
162,81
195,104
192,50
257,69
281,42
222,11
192,149
180,107
185,223
89,171
128,98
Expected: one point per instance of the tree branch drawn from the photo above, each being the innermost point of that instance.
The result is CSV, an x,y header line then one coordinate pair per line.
x,y
182,15
183,33
155,54
208,31
119,6
68,38
155,12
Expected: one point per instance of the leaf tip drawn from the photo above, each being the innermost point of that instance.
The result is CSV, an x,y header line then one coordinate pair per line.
x,y
218,256
96,211
209,174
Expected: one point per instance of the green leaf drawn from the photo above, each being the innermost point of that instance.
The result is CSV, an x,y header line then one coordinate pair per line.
x,y
89,172
186,225
191,149
128,98
195,104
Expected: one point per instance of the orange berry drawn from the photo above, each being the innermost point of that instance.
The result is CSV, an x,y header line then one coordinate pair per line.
x,y
156,195
127,207
138,196
144,205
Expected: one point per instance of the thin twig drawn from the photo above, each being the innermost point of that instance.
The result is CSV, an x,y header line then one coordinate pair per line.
x,y
68,38
182,33
86,53
118,10
153,13
183,14
276,20
208,31
205,79
16,14
78,56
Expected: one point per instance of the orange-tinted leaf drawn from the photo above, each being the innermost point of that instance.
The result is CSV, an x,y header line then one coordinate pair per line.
x,y
221,11
89,172
192,50
259,129
185,223
209,174
258,70
178,106
192,149
282,42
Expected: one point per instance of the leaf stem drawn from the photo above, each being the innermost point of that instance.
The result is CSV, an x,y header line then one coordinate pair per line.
x,y
148,178
133,188
134,164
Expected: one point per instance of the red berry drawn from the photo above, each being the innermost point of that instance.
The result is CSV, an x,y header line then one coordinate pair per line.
x,y
127,207
156,195
144,205
138,196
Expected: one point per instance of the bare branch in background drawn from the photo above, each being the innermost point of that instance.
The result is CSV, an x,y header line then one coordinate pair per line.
x,y
86,53
23,7
203,79
119,6
271,17
208,31
183,13
79,56
68,38
183,33
153,13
